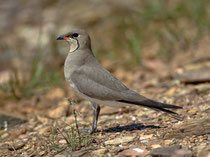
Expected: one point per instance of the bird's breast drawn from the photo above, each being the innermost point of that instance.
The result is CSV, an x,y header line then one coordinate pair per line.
x,y
72,84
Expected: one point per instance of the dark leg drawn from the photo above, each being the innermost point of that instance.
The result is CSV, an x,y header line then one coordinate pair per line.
x,y
96,111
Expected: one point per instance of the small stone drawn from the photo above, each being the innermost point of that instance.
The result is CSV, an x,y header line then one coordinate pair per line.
x,y
144,137
60,111
8,120
125,109
44,120
100,151
171,91
133,152
168,142
182,153
205,152
17,132
4,146
56,93
133,118
155,146
120,140
60,155
70,120
5,76
192,111
45,130
164,151
4,135
28,146
195,76
62,141
189,128
16,145
42,153
202,87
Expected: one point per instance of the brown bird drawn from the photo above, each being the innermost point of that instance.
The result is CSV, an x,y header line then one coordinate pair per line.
x,y
94,83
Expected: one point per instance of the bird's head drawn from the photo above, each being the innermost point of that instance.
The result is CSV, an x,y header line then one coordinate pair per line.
x,y
77,39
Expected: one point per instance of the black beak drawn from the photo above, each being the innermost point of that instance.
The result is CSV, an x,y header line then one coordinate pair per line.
x,y
60,37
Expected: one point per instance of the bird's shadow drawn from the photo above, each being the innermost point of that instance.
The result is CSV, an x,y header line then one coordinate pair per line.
x,y
131,127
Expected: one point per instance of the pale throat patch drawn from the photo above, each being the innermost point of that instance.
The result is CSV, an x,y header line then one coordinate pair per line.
x,y
73,45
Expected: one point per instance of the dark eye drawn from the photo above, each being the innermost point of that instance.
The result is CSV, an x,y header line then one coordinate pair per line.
x,y
75,35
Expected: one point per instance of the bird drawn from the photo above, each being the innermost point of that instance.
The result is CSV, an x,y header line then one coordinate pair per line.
x,y
94,83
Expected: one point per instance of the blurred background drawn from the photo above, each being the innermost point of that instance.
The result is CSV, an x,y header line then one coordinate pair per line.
x,y
147,34
158,48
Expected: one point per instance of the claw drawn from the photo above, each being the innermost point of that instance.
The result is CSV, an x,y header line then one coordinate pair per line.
x,y
89,131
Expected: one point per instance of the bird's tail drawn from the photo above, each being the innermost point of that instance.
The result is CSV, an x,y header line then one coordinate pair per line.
x,y
169,112
157,106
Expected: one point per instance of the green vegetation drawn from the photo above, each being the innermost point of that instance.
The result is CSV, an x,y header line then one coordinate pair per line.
x,y
74,140
71,134
2,154
1,135
40,78
174,26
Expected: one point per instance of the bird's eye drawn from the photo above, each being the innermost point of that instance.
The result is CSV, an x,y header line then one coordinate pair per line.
x,y
75,35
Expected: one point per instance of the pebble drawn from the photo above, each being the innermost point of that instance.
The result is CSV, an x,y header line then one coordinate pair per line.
x,y
100,151
153,146
4,146
56,93
62,141
133,152
46,130
205,152
44,120
28,146
199,148
60,155
164,151
171,91
42,153
144,137
16,145
168,142
116,141
4,135
18,132
119,117
182,153
60,111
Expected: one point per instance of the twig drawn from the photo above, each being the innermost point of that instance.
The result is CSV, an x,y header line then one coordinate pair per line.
x,y
77,127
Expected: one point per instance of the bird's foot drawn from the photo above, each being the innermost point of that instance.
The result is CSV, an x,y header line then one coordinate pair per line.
x,y
89,131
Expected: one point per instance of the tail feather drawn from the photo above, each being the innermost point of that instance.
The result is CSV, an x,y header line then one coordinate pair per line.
x,y
170,113
157,106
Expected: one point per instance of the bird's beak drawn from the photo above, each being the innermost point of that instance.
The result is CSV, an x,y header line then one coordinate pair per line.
x,y
62,37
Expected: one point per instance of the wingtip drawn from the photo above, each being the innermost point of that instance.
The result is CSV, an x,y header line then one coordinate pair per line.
x,y
178,107
176,116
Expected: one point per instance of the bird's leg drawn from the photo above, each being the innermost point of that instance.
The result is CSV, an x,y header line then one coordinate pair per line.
x,y
96,111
